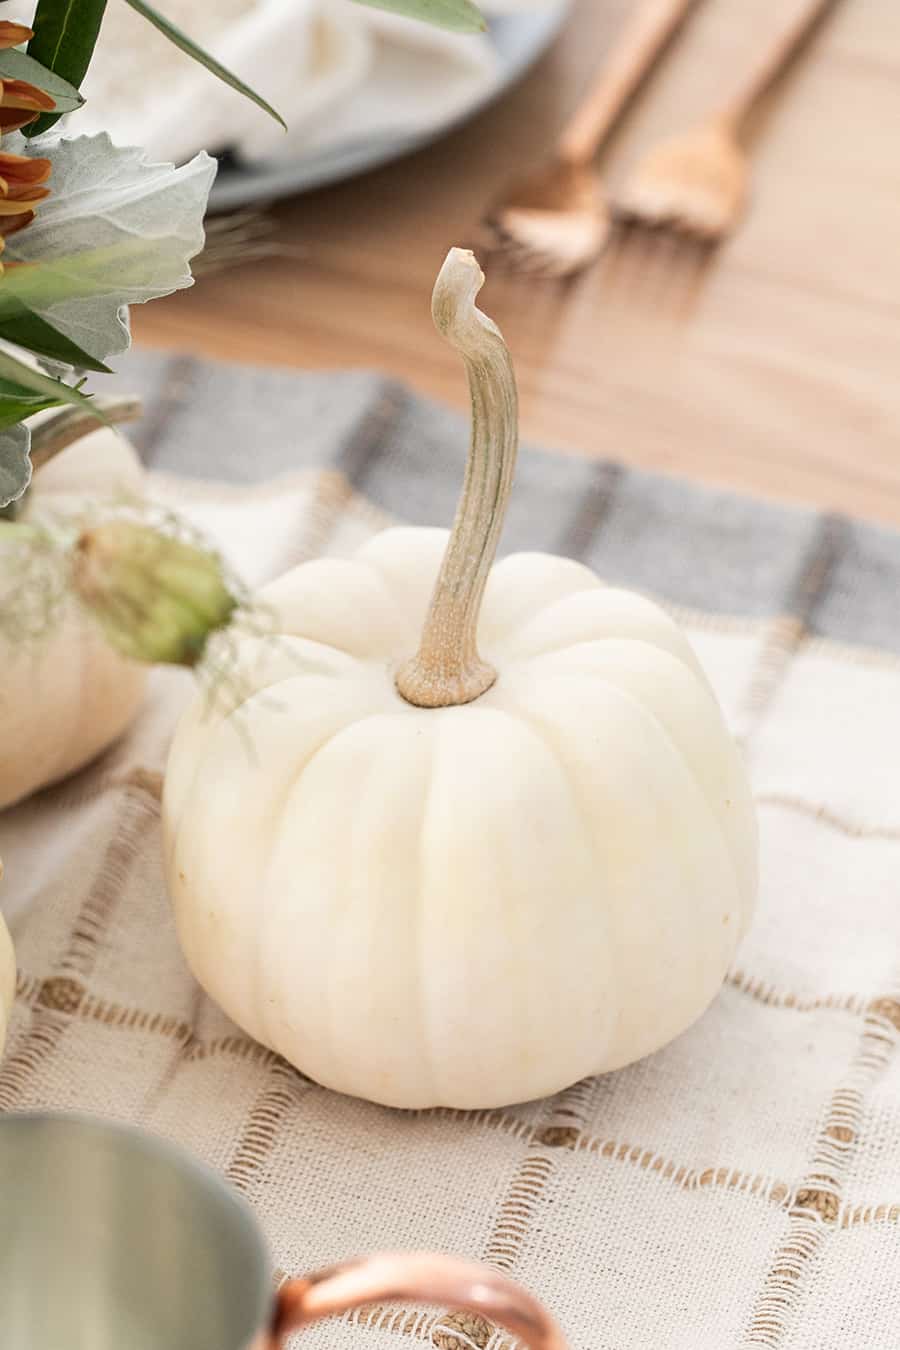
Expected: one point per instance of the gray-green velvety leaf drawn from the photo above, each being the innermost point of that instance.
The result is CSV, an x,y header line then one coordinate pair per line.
x,y
15,466
13,410
29,330
16,65
116,231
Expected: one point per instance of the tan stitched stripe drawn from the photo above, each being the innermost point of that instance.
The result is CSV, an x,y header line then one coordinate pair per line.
x,y
333,494
816,1205
262,1126
564,1129
788,631
687,1178
51,1014
563,1121
725,625
785,636
826,816
493,1119
850,654
391,1317
866,1214
767,993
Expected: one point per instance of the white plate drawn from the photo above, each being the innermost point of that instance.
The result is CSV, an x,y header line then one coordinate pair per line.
x,y
519,39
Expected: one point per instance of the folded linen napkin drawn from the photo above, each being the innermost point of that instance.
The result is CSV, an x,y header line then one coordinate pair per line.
x,y
337,71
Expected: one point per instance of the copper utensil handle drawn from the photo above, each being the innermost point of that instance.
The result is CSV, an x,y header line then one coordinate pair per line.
x,y
415,1277
806,15
633,55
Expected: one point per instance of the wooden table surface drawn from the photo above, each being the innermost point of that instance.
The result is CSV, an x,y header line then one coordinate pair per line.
x,y
784,377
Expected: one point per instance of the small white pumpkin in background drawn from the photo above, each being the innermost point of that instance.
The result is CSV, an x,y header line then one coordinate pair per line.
x,y
476,874
7,977
67,695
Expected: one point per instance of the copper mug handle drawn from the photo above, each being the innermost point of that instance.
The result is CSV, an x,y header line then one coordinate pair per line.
x,y
413,1277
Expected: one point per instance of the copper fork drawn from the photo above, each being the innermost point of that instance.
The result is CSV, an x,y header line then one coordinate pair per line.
x,y
696,184
556,221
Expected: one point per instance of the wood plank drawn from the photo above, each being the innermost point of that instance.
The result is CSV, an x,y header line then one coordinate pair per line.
x,y
784,377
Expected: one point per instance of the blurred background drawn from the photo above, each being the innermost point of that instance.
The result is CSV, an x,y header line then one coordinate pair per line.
x,y
772,367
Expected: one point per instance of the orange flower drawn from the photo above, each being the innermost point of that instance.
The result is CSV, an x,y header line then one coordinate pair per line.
x,y
21,178
21,189
20,102
11,34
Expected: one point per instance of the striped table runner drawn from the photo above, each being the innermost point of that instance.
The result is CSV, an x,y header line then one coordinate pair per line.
x,y
742,1187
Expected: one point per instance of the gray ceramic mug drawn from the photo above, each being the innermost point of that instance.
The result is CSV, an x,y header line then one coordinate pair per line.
x,y
112,1239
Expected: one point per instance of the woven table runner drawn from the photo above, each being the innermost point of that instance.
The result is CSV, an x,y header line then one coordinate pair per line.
x,y
739,1188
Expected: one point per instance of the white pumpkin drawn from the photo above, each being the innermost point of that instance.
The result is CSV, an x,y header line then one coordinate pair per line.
x,y
478,875
7,977
67,695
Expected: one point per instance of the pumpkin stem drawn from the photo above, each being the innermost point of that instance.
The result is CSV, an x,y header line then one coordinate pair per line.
x,y
67,425
447,669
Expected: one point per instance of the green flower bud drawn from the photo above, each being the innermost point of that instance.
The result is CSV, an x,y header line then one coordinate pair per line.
x,y
156,598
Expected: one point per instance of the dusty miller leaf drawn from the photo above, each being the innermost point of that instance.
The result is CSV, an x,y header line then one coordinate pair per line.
x,y
15,466
132,225
16,65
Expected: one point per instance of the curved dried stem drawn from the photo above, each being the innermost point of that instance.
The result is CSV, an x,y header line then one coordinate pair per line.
x,y
447,669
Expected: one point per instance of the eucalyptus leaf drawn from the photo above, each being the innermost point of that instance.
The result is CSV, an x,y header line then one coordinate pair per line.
x,y
190,48
15,466
128,229
65,34
459,15
16,65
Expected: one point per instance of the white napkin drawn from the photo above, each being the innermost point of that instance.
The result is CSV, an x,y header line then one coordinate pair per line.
x,y
338,72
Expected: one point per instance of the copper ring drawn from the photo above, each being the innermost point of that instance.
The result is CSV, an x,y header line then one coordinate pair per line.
x,y
414,1277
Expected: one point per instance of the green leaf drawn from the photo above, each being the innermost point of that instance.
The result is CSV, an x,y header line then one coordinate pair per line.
x,y
17,403
187,45
65,34
15,465
24,376
13,410
27,329
15,65
460,15
12,391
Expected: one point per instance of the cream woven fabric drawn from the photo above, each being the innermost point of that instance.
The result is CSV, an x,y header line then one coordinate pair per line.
x,y
741,1188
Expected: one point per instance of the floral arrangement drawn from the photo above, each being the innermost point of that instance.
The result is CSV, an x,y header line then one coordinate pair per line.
x,y
87,228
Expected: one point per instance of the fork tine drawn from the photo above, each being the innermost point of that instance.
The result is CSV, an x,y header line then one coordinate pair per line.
x,y
658,268
623,259
700,255
667,261
507,253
